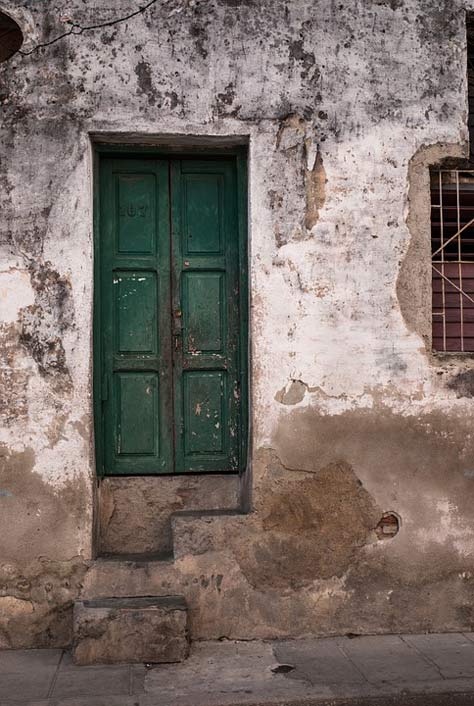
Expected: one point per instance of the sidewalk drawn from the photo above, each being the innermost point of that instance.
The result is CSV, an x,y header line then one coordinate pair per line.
x,y
408,670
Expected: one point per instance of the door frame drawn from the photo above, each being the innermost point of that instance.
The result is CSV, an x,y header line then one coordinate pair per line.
x,y
240,154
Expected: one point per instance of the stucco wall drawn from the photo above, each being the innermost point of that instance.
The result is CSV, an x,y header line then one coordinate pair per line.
x,y
344,106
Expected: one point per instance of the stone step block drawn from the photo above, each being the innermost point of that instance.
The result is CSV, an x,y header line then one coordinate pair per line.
x,y
142,629
126,577
135,512
197,532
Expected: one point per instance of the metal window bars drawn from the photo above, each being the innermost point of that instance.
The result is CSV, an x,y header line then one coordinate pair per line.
x,y
452,248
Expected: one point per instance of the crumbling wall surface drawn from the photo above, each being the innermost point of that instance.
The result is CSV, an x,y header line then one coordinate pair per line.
x,y
344,104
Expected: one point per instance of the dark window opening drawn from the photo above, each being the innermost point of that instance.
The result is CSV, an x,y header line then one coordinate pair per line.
x,y
11,37
452,251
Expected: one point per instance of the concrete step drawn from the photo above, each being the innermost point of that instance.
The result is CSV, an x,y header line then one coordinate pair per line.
x,y
130,575
135,512
196,532
159,574
146,629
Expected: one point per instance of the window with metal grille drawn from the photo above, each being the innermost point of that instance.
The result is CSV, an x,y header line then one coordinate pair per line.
x,y
452,251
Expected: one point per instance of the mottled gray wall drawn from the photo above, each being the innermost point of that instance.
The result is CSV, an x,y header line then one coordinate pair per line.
x,y
344,106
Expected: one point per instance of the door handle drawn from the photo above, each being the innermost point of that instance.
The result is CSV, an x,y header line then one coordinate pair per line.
x,y
177,321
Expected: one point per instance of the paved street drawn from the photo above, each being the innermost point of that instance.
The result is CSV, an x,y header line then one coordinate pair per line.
x,y
431,670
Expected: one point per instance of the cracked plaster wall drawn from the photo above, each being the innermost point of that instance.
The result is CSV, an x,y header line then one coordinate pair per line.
x,y
344,105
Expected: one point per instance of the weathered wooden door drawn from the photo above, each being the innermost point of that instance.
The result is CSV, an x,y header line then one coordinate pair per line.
x,y
169,326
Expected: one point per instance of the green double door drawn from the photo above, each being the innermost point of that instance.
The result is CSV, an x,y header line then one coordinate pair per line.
x,y
169,362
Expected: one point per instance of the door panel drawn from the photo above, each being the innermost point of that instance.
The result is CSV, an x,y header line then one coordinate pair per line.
x,y
136,205
205,292
137,434
204,409
202,213
203,312
168,317
135,316
136,312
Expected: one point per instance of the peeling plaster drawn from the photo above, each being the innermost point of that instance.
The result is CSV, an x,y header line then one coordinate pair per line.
x,y
16,292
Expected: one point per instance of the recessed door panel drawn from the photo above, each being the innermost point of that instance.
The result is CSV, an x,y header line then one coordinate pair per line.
x,y
137,422
202,213
136,205
136,309
204,308
204,411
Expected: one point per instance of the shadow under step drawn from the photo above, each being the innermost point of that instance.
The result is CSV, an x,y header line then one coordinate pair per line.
x,y
144,557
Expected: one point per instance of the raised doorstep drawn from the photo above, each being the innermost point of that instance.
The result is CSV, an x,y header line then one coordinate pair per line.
x,y
135,512
130,629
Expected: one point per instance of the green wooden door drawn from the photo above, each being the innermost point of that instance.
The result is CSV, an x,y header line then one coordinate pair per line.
x,y
169,333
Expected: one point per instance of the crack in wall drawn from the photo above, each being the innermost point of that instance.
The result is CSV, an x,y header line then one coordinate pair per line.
x,y
77,29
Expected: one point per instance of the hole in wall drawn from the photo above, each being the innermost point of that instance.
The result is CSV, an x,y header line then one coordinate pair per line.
x,y
388,526
11,37
282,669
